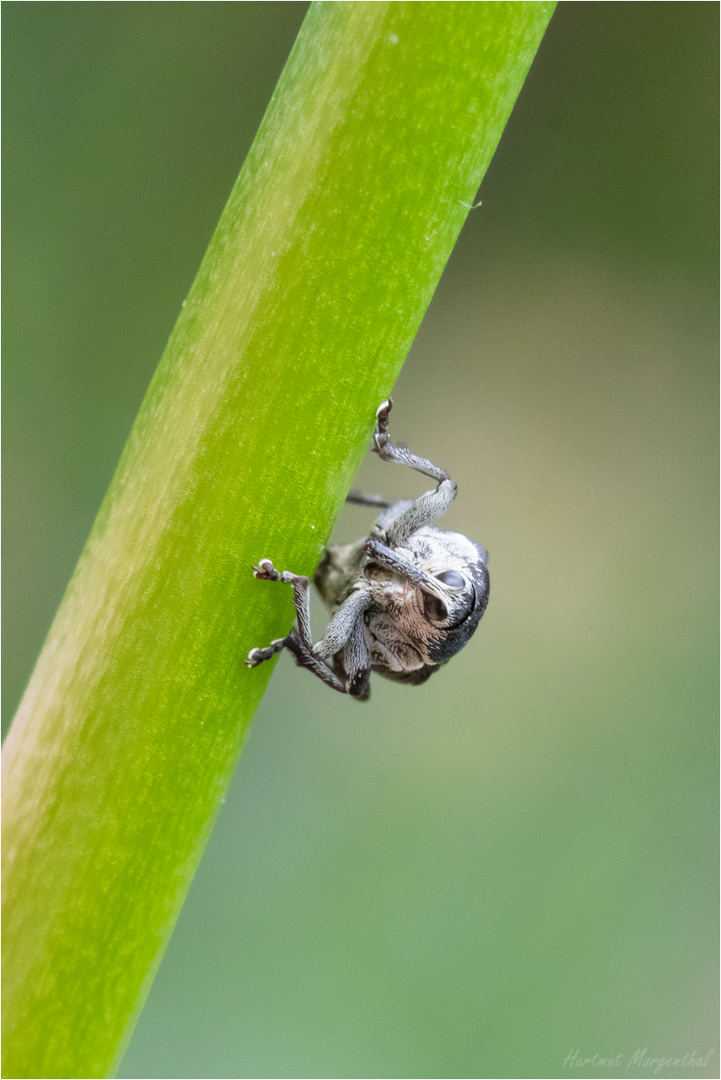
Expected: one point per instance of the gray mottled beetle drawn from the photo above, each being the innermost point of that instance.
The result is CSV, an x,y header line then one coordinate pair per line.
x,y
403,602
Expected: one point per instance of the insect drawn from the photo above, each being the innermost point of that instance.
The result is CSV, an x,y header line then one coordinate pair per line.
x,y
403,601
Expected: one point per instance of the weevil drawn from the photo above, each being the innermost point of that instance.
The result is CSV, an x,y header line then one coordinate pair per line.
x,y
403,601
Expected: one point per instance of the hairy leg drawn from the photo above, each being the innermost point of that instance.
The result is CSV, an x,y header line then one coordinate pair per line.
x,y
340,628
396,563
424,510
361,499
357,662
300,644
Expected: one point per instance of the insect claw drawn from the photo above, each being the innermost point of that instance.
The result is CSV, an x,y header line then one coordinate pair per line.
x,y
382,414
258,656
265,571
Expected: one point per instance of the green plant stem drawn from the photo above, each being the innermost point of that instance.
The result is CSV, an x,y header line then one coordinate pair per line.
x,y
314,285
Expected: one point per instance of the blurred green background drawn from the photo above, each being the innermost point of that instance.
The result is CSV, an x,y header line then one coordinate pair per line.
x,y
515,863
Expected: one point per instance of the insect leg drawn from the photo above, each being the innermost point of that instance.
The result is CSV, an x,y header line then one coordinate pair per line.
x,y
357,662
300,644
305,658
362,499
392,560
265,571
257,656
429,507
346,636
341,626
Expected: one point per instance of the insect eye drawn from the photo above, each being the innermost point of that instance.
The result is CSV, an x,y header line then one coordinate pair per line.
x,y
452,579
434,609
